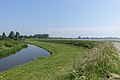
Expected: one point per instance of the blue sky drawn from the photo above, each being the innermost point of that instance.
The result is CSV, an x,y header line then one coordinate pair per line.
x,y
67,18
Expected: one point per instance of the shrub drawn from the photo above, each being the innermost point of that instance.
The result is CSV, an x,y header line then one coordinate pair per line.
x,y
8,44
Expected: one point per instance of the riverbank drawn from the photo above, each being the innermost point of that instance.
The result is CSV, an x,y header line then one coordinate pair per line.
x,y
23,56
9,46
69,62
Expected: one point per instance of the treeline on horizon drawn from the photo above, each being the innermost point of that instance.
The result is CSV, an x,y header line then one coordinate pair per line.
x,y
16,36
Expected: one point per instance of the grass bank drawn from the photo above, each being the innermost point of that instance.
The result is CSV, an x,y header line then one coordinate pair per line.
x,y
10,46
100,63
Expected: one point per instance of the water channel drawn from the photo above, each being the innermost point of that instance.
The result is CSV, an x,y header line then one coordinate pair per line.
x,y
23,56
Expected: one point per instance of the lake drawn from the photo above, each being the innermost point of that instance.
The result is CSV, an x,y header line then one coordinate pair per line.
x,y
23,56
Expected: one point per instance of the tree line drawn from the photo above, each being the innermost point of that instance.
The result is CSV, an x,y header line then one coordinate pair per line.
x,y
11,35
17,36
35,36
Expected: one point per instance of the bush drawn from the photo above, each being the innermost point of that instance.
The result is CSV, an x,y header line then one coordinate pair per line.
x,y
8,44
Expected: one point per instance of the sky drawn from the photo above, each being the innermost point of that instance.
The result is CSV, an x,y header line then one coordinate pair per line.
x,y
65,18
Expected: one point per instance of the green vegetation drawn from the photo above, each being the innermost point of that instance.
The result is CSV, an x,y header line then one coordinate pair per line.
x,y
97,64
4,36
17,36
11,35
87,44
40,36
48,68
9,46
70,60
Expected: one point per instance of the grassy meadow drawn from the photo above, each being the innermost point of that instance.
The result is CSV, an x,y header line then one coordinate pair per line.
x,y
69,60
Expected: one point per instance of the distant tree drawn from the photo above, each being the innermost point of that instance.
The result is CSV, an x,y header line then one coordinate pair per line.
x,y
3,36
37,36
11,35
79,37
24,36
41,36
30,36
17,36
45,35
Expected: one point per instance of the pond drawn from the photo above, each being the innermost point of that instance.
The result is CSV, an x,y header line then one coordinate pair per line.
x,y
23,56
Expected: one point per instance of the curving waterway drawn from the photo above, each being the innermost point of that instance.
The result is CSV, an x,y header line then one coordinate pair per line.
x,y
23,56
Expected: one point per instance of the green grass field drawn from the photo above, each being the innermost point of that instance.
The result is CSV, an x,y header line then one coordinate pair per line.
x,y
69,62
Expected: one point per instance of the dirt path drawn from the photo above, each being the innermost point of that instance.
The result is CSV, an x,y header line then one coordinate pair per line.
x,y
117,46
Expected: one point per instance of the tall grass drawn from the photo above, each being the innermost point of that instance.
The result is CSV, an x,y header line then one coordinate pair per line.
x,y
97,64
